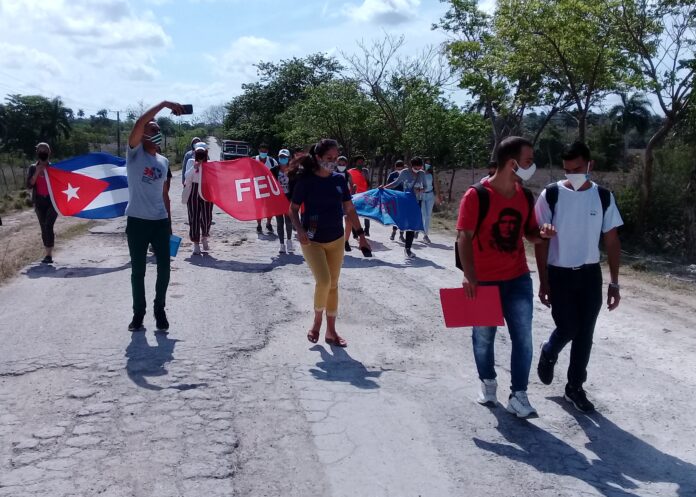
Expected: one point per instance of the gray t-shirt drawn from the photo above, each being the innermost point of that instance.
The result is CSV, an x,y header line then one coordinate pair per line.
x,y
146,176
411,182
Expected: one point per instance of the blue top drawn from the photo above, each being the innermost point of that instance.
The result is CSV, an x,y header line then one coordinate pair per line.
x,y
323,202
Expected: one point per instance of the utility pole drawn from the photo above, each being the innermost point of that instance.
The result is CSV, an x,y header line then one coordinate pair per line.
x,y
118,133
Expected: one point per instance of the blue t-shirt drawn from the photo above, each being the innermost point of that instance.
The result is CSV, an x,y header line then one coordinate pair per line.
x,y
323,202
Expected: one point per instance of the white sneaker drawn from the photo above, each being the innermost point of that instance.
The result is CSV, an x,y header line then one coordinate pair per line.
x,y
487,395
196,249
206,247
291,249
519,405
282,249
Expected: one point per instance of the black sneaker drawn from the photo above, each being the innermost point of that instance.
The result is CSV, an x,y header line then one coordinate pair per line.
x,y
578,398
259,230
409,255
545,367
348,249
137,323
47,260
161,320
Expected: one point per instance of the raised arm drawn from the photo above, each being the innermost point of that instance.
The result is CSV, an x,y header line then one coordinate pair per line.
x,y
136,135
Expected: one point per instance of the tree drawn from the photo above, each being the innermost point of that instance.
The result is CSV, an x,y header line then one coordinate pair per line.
x,y
660,35
30,119
336,109
80,114
501,90
571,44
252,115
631,114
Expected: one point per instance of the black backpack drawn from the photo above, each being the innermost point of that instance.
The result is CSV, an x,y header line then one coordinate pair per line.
x,y
484,205
552,198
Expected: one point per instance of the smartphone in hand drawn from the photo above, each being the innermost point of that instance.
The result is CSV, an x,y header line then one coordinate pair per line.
x,y
188,109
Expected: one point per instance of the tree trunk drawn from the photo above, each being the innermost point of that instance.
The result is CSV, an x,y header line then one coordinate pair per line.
x,y
647,176
451,185
582,125
690,217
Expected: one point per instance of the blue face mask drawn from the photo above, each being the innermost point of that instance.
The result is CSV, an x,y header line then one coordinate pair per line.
x,y
263,155
283,161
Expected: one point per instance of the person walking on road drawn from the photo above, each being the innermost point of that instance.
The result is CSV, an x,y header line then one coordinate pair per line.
x,y
494,217
326,198
187,156
398,167
342,170
147,213
431,196
411,180
270,163
360,183
570,277
41,198
283,221
200,212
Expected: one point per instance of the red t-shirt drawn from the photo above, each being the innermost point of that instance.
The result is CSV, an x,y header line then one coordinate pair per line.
x,y
498,247
358,180
41,185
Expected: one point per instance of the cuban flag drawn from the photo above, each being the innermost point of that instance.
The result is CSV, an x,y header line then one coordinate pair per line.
x,y
91,186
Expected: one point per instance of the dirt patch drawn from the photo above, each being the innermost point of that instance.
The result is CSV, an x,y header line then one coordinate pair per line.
x,y
21,239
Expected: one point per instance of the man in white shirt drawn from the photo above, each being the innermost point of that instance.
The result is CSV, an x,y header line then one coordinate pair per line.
x,y
570,277
270,163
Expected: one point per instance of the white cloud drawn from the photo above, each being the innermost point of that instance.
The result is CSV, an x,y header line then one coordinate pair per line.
x,y
383,11
239,59
19,57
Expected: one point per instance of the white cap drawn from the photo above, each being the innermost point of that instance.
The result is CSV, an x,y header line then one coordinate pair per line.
x,y
284,152
200,145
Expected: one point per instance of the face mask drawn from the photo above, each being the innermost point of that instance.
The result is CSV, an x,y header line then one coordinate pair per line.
x,y
577,180
525,174
428,167
341,168
263,155
43,156
156,139
283,161
328,166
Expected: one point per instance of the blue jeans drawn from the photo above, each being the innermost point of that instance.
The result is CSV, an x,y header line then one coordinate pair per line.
x,y
427,210
517,298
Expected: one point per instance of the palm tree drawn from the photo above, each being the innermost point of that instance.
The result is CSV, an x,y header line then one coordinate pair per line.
x,y
632,113
56,121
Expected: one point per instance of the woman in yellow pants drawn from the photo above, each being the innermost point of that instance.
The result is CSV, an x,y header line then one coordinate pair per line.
x,y
326,198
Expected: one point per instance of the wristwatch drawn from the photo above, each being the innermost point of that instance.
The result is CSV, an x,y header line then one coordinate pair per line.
x,y
615,285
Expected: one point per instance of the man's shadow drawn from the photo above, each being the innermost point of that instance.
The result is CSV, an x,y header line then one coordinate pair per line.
x,y
50,271
145,360
339,366
622,457
207,260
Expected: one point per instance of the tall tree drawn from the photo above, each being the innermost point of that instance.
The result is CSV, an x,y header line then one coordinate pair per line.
x,y
661,35
633,113
571,43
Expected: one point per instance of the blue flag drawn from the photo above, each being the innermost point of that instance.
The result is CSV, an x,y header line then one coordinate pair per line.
x,y
113,200
390,207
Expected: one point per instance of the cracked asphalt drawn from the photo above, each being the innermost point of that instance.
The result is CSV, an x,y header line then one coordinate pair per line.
x,y
236,402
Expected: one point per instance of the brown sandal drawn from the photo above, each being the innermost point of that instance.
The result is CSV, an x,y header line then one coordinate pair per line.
x,y
337,342
313,335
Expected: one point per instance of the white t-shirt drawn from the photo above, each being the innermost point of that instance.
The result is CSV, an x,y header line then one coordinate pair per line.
x,y
579,224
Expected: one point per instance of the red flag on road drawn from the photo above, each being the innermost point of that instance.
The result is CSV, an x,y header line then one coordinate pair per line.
x,y
243,188
72,192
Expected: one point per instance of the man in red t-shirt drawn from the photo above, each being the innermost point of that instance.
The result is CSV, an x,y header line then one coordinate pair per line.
x,y
360,184
492,253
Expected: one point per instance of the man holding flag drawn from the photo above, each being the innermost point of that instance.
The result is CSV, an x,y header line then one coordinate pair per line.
x,y
148,217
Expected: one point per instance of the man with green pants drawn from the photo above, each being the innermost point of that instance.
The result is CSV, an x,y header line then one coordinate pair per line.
x,y
147,214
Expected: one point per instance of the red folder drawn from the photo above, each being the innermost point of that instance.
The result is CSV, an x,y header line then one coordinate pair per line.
x,y
460,311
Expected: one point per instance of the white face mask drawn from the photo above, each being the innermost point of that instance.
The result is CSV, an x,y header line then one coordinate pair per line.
x,y
340,168
578,180
328,166
525,174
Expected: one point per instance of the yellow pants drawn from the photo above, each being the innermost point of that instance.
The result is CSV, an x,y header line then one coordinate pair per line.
x,y
325,261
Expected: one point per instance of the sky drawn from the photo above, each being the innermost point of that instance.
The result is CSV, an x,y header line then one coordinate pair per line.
x,y
113,54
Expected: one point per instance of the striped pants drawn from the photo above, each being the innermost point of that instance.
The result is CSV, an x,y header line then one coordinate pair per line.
x,y
200,215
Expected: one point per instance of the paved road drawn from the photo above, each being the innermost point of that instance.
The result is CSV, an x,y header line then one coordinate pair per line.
x,y
235,401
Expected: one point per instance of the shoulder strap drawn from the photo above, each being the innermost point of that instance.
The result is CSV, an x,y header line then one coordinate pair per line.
x,y
605,198
552,198
530,205
484,204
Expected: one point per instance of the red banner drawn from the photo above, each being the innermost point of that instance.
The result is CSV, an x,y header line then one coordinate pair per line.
x,y
243,188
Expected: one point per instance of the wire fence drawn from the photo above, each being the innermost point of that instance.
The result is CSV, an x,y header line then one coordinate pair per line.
x,y
12,173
